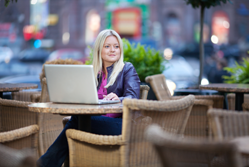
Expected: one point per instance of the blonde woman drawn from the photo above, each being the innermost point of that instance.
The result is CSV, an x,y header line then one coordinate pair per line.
x,y
116,80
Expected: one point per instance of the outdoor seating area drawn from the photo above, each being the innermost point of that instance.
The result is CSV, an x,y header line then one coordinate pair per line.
x,y
192,130
124,83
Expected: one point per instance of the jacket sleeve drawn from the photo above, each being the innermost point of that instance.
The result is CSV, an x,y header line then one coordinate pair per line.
x,y
131,83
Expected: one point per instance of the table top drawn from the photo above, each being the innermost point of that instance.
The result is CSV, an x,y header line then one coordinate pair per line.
x,y
239,88
76,109
11,87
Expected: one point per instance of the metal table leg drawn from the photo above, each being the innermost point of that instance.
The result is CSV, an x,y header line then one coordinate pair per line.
x,y
239,100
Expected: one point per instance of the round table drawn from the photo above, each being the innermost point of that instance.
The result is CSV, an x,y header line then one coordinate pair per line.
x,y
83,111
238,89
14,87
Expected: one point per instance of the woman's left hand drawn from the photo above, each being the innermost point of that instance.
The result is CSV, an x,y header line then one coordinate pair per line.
x,y
111,96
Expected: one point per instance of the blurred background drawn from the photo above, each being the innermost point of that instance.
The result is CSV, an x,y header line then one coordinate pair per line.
x,y
33,31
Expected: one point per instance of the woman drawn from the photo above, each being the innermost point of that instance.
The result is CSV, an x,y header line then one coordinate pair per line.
x,y
115,81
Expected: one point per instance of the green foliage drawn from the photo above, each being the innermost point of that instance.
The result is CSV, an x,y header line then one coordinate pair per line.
x,y
206,3
90,60
8,1
239,73
146,61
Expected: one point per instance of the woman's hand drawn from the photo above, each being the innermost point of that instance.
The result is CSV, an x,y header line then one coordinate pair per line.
x,y
111,96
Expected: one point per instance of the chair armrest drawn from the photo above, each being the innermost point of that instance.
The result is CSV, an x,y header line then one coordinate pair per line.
x,y
18,133
35,97
94,138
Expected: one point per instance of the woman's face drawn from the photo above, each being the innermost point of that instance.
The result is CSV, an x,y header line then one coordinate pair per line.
x,y
110,52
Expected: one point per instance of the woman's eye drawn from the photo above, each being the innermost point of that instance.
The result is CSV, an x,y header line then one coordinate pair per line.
x,y
106,46
116,46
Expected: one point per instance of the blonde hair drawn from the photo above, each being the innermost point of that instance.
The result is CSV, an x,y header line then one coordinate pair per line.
x,y
97,60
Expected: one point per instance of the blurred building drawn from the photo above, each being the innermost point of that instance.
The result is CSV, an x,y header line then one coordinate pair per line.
x,y
159,23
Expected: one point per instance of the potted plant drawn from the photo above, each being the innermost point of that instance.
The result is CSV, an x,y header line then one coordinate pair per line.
x,y
147,61
239,73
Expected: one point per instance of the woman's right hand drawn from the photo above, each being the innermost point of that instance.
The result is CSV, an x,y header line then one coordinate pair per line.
x,y
111,96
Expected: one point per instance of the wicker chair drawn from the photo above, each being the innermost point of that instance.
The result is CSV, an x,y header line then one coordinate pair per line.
x,y
197,125
161,91
231,101
24,95
245,106
175,151
50,124
25,137
228,125
15,114
15,158
130,148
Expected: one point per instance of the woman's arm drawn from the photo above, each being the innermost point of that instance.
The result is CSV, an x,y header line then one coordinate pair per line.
x,y
131,83
130,86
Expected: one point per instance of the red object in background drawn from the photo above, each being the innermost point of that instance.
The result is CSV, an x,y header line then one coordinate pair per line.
x,y
221,26
127,21
27,36
5,29
29,33
38,35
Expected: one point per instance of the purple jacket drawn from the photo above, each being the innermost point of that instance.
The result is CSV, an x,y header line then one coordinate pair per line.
x,y
127,84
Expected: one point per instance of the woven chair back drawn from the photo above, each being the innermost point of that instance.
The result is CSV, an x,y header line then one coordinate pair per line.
x,y
175,150
25,137
159,86
228,124
231,101
197,125
172,116
15,114
16,158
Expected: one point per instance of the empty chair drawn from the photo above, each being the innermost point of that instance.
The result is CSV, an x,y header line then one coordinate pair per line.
x,y
24,95
16,158
197,125
130,148
15,114
228,125
175,150
25,137
160,88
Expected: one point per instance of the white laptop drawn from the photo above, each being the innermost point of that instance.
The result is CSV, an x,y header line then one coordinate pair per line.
x,y
72,84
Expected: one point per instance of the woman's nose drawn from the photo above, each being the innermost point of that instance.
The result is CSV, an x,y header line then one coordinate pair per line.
x,y
112,48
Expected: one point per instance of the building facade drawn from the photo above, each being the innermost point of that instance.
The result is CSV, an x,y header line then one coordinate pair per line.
x,y
165,23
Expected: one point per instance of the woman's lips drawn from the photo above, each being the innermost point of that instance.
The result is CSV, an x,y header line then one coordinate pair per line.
x,y
111,55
